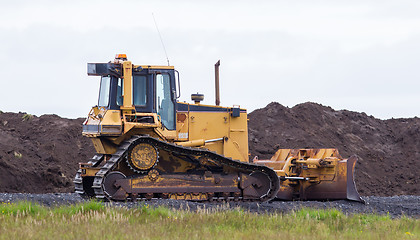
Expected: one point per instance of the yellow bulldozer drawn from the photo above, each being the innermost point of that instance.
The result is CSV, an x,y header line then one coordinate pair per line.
x,y
150,145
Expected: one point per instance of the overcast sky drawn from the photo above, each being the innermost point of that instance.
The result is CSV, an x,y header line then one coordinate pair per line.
x,y
358,55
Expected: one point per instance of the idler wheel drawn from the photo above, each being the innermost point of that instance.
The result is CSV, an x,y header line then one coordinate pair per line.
x,y
109,183
142,157
263,185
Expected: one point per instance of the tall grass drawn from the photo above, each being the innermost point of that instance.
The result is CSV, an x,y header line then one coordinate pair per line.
x,y
26,208
92,220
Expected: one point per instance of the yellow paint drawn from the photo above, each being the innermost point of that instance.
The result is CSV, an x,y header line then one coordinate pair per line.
x,y
103,146
128,82
238,136
194,143
112,117
194,127
282,163
89,171
165,133
129,121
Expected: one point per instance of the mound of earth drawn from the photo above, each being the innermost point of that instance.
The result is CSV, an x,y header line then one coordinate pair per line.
x,y
41,154
388,150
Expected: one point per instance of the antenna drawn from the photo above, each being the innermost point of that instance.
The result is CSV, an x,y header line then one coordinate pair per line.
x,y
161,40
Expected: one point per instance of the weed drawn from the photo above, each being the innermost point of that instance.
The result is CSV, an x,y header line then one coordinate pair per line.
x,y
23,208
319,214
160,211
91,205
27,117
17,154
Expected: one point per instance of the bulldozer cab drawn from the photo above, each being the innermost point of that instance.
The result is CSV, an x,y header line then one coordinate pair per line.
x,y
139,89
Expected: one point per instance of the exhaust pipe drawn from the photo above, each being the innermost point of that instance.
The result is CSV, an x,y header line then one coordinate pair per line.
x,y
216,71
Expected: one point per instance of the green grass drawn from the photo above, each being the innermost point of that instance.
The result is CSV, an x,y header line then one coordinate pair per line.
x,y
92,220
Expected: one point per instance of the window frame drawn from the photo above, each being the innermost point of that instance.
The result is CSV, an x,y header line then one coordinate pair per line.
x,y
108,92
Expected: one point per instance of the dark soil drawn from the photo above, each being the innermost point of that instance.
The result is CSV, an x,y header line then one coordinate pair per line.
x,y
41,154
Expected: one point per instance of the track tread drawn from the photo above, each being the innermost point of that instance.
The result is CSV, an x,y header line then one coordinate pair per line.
x,y
78,180
171,147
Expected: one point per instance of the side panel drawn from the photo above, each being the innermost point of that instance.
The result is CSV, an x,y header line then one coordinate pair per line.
x,y
236,146
208,126
226,133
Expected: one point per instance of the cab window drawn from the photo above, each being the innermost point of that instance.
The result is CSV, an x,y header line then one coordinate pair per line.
x,y
164,104
120,92
104,91
139,90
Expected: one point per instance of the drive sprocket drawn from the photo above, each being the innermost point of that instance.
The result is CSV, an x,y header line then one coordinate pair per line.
x,y
142,157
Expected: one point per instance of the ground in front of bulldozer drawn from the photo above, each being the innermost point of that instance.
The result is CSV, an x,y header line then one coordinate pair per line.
x,y
149,220
396,206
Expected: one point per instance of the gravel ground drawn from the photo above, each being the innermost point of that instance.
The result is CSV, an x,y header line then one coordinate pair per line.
x,y
396,206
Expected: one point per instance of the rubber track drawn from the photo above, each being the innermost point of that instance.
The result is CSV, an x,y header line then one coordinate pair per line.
x,y
245,167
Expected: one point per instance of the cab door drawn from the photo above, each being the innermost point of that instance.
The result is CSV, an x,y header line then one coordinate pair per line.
x,y
165,100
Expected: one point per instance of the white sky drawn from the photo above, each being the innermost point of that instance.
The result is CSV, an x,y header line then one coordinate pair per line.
x,y
358,55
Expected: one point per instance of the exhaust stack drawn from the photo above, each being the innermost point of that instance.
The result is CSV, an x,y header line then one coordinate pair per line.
x,y
216,71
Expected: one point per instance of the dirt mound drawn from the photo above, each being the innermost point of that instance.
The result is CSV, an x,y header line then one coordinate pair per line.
x,y
41,154
388,150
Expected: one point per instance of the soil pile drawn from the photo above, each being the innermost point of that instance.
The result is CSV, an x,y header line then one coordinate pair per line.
x,y
388,150
41,154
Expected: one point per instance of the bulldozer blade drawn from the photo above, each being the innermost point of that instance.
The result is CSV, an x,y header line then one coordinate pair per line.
x,y
342,187
352,193
313,174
